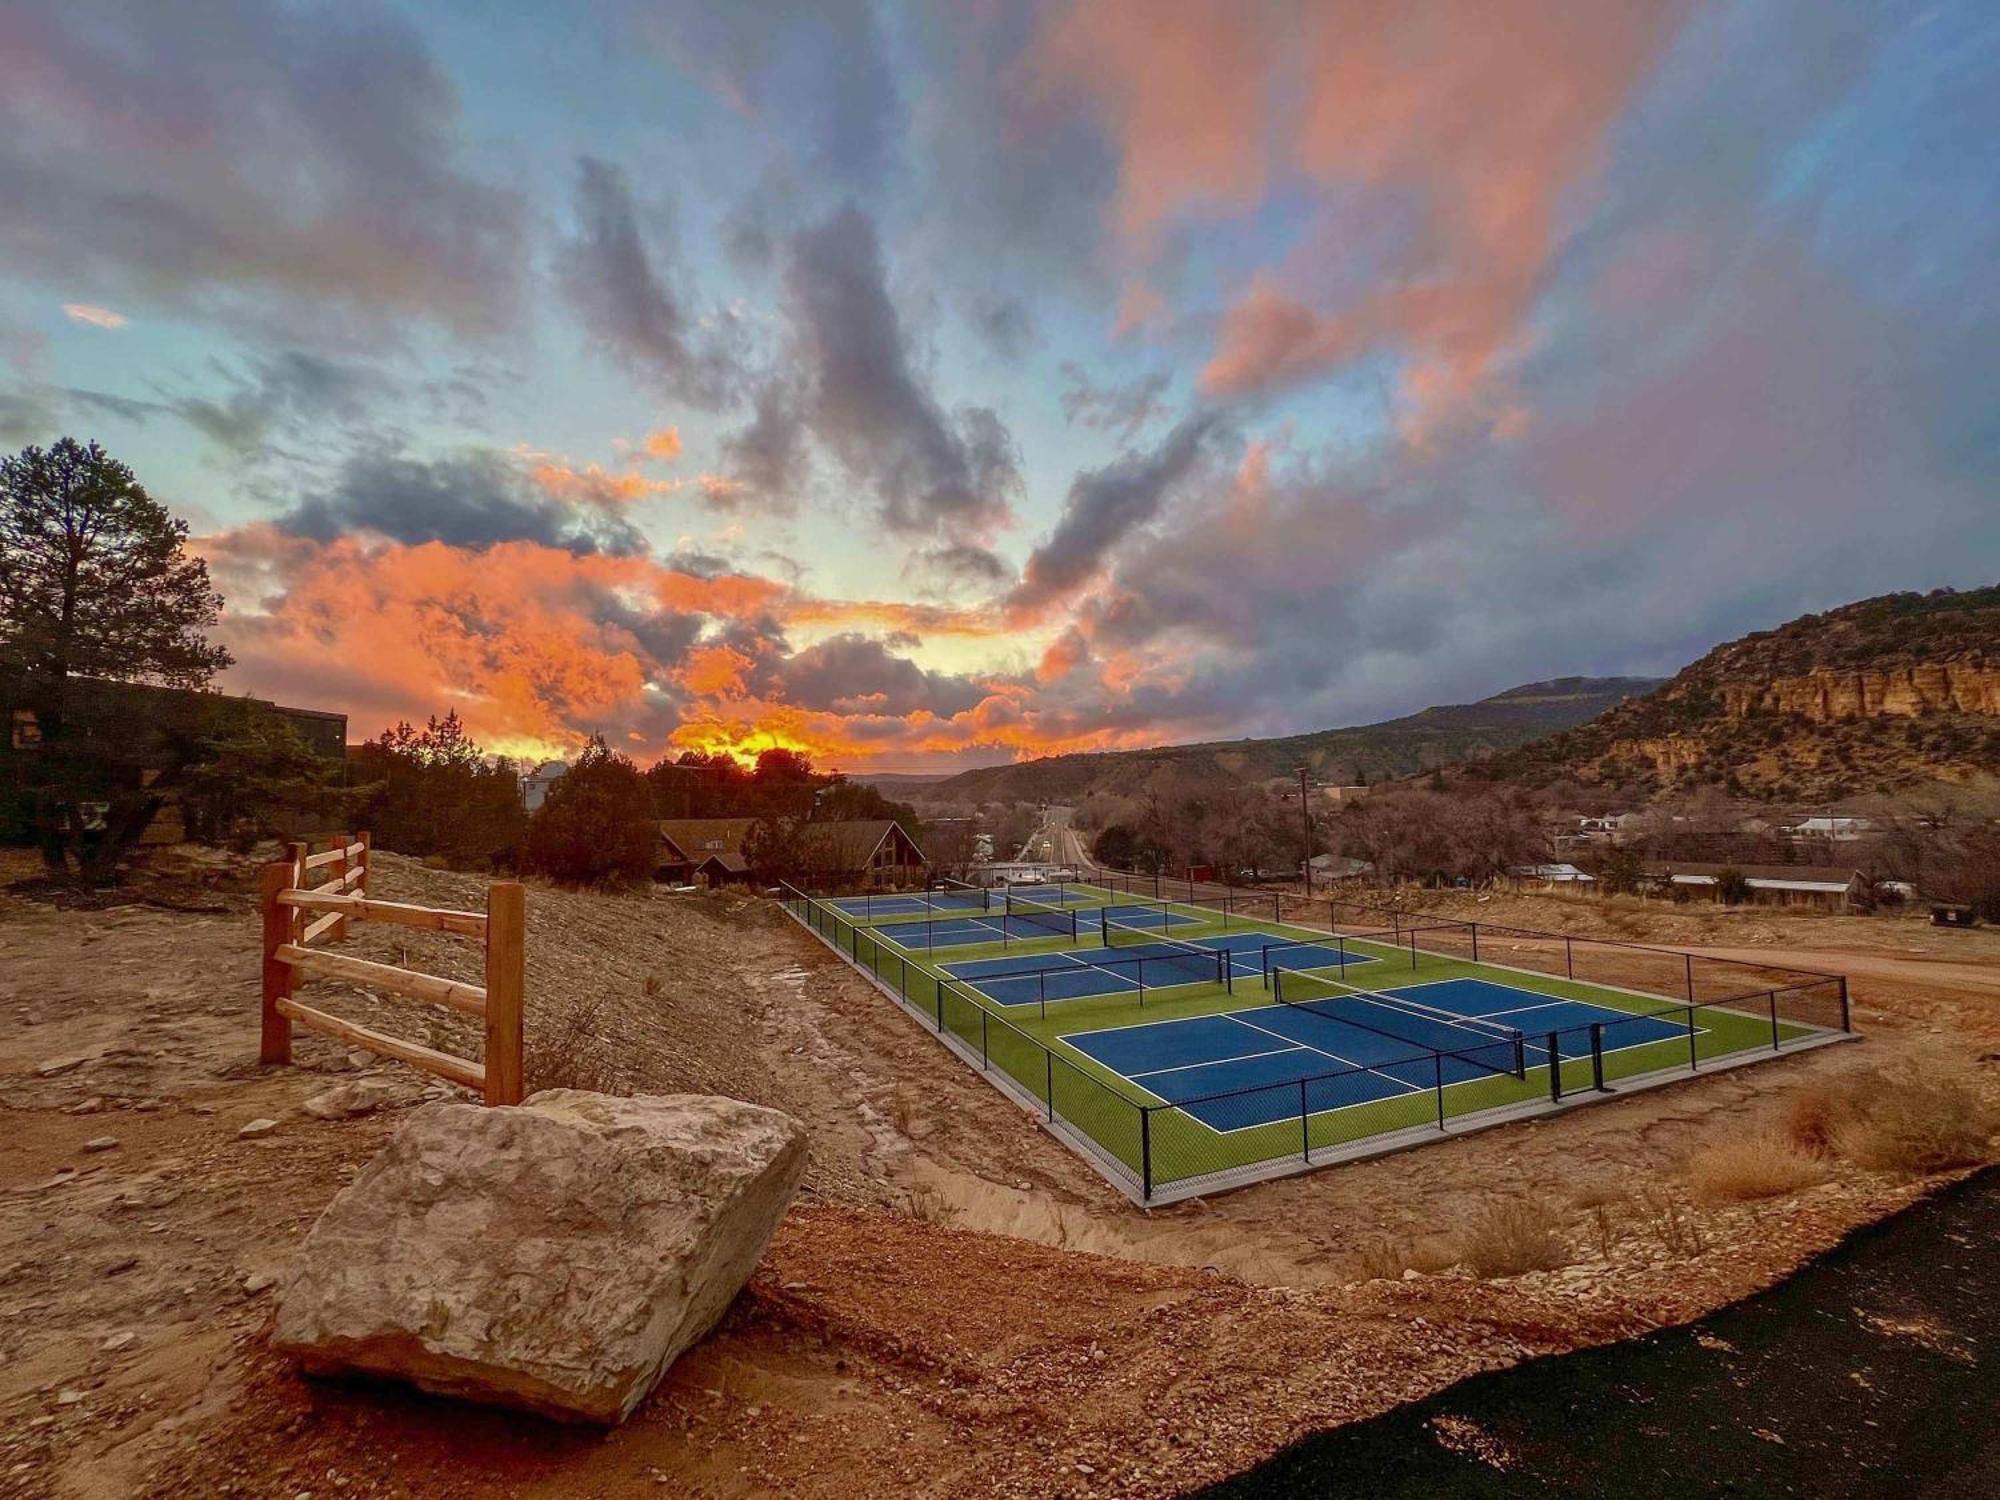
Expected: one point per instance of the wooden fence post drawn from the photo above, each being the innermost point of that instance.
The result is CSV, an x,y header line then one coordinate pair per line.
x,y
506,914
367,842
276,1044
338,932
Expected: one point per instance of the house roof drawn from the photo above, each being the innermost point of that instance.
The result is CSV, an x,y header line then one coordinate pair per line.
x,y
693,838
852,840
855,840
729,859
1837,875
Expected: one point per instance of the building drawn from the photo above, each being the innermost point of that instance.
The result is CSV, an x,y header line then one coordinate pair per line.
x,y
535,786
1838,830
1555,874
857,851
1328,867
1822,887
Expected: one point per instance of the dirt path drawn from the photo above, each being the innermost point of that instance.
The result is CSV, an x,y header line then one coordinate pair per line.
x,y
956,1306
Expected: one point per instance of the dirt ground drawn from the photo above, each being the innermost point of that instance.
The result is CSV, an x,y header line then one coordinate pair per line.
x,y
956,1304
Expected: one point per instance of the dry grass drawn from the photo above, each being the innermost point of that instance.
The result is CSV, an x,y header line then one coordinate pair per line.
x,y
1507,1236
1920,1122
1388,1259
1668,1222
1911,1119
571,1047
1766,1165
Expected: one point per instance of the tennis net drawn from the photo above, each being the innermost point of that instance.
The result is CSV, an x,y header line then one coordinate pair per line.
x,y
1188,961
1057,921
1484,1044
960,895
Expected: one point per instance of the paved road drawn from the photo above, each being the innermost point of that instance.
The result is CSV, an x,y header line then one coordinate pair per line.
x,y
1875,1372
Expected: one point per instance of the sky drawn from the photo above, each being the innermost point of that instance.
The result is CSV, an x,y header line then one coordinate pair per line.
x,y
930,385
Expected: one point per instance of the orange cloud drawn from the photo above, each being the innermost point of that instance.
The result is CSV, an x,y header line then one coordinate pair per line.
x,y
1181,84
664,444
595,485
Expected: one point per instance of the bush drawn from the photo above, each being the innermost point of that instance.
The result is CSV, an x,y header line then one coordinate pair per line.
x,y
1388,1259
597,823
572,1048
1916,1121
1507,1236
1748,1167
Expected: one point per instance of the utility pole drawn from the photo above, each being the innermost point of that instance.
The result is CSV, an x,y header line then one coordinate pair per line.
x,y
1306,813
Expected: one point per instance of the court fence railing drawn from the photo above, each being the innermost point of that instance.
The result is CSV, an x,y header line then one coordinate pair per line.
x,y
1805,997
1161,1151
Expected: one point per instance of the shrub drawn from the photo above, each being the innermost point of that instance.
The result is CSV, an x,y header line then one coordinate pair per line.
x,y
1759,1166
597,822
570,1047
1388,1258
1916,1121
1507,1236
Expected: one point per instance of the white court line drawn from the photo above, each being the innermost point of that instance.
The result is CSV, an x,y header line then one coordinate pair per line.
x,y
1217,1061
1346,1062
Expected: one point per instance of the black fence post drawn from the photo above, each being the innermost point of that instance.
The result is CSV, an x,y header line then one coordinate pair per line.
x,y
1690,976
1694,1063
1475,942
1437,1086
1145,1153
1413,950
983,1063
1597,1057
1774,1020
1569,958
1305,1126
1555,1067
1049,1081
1846,1022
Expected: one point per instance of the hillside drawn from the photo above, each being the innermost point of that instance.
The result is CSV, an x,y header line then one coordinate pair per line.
x,y
1374,752
1876,696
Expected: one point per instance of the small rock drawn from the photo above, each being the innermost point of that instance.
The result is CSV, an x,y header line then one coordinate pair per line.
x,y
259,1281
201,1109
151,1106
256,1128
1413,1274
361,1057
101,1143
57,1065
117,1341
122,1264
68,1398
88,1106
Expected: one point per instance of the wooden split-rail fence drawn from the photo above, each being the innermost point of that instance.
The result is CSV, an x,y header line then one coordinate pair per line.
x,y
312,897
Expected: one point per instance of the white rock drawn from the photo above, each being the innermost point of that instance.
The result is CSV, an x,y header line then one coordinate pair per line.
x,y
556,1256
259,1281
256,1128
118,1341
101,1143
57,1065
360,1097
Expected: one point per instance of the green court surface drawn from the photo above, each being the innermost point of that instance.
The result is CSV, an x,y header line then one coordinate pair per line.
x,y
1157,1043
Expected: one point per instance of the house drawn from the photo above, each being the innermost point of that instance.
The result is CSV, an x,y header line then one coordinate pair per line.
x,y
1340,867
536,784
1824,887
1606,829
856,851
1556,874
1839,830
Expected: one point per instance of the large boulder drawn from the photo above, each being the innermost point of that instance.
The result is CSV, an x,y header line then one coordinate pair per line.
x,y
556,1256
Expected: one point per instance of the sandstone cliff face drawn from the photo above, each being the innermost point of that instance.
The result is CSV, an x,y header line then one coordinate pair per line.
x,y
1827,694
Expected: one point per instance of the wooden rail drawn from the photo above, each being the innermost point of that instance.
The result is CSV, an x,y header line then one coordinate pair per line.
x,y
297,915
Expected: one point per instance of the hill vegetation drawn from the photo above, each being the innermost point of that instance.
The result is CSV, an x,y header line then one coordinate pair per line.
x,y
1369,752
1873,697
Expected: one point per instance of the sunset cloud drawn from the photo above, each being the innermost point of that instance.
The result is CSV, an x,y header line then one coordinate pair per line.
x,y
97,317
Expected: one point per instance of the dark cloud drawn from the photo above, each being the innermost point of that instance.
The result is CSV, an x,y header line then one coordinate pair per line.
x,y
964,564
816,71
856,673
296,394
26,415
766,462
475,499
284,165
935,475
1104,507
1006,325
1123,411
627,296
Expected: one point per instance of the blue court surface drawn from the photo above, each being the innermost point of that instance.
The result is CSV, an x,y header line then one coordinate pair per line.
x,y
911,904
1031,978
1241,1055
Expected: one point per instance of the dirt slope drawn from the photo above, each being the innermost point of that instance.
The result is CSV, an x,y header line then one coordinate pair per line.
x,y
928,1321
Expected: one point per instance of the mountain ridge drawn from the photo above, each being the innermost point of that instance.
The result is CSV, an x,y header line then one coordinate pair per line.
x,y
1402,746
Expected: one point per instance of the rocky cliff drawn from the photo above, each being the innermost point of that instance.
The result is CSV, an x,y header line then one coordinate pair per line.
x,y
1886,693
